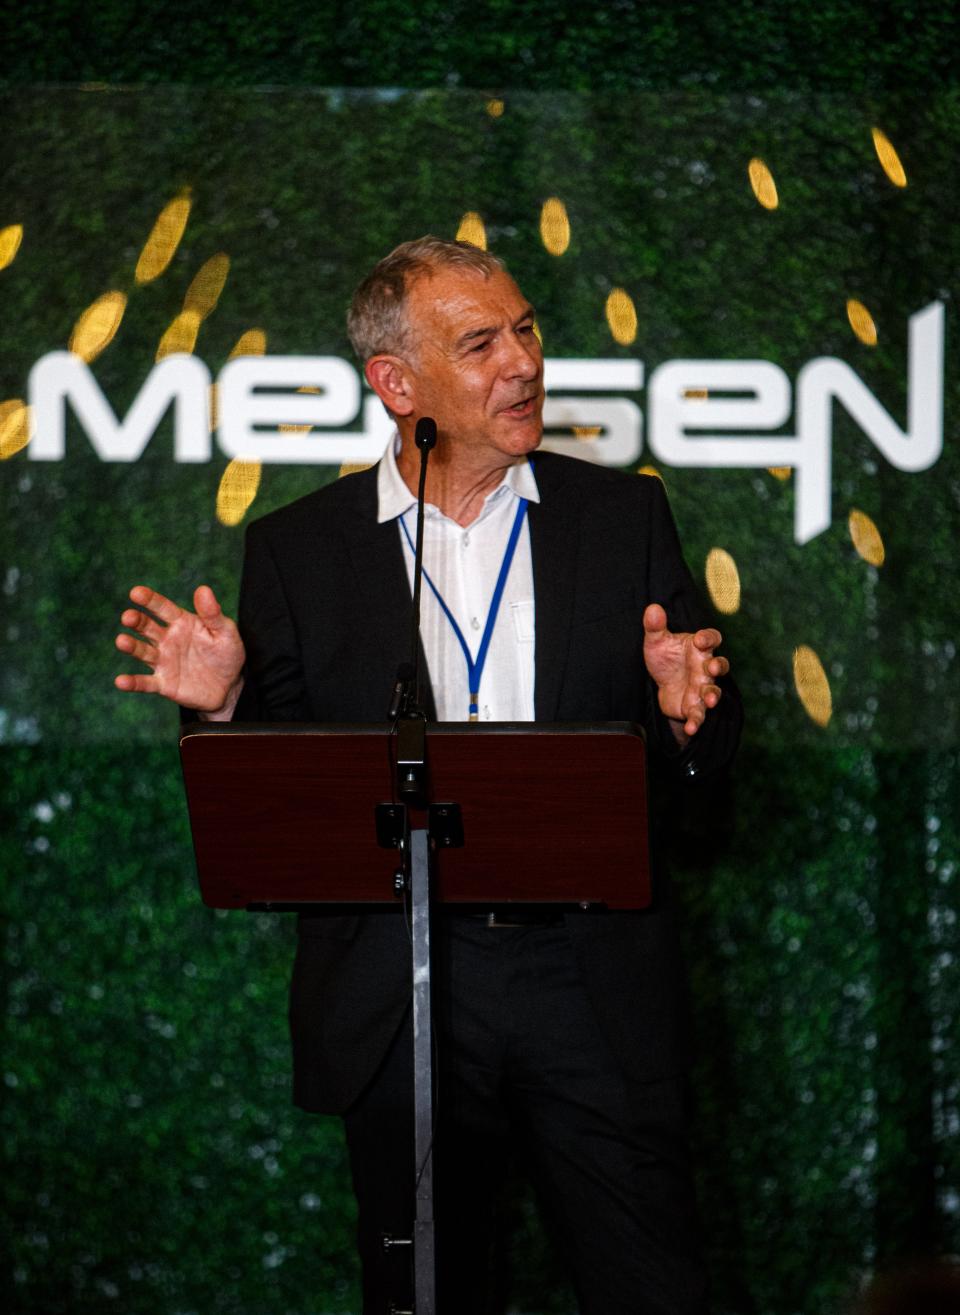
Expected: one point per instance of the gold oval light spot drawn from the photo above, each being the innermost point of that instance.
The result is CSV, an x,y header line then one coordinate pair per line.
x,y
181,336
472,230
587,431
888,157
353,468
761,180
554,226
213,405
780,472
299,429
10,239
238,488
537,333
251,343
160,247
621,317
650,470
723,581
866,537
812,685
495,108
14,427
207,284
695,394
861,322
97,326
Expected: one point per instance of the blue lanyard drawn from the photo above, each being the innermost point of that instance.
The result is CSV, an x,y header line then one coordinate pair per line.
x,y
475,666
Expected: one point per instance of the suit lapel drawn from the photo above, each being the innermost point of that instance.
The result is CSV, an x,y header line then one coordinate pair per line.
x,y
554,540
376,556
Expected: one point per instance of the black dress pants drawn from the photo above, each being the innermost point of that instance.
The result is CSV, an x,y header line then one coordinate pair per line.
x,y
521,1057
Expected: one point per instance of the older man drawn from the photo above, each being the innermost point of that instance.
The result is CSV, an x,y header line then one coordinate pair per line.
x,y
566,1029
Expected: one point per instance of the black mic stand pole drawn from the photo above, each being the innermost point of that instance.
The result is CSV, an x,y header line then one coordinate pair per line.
x,y
410,727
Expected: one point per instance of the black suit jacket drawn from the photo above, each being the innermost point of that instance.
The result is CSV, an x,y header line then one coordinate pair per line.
x,y
325,613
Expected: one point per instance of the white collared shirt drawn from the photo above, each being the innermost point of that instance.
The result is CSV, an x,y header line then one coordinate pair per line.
x,y
464,565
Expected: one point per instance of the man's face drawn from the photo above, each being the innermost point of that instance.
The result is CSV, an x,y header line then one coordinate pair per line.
x,y
477,364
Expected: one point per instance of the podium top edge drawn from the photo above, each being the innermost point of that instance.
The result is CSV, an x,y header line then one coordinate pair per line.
x,y
203,729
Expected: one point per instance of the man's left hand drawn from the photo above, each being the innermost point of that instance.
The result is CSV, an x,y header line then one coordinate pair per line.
x,y
685,669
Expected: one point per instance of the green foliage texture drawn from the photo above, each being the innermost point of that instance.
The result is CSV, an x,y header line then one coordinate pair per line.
x,y
153,1162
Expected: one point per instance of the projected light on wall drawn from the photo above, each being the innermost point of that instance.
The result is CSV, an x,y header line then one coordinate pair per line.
x,y
812,685
554,226
238,488
866,537
723,581
761,180
888,157
181,336
472,230
10,239
160,247
207,285
861,322
97,326
621,317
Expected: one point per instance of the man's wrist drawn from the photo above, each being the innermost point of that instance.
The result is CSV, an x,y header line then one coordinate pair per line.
x,y
227,708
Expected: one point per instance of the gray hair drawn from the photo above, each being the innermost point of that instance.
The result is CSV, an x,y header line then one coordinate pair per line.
x,y
376,320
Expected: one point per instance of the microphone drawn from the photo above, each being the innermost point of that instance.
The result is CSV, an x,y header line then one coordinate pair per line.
x,y
425,434
405,712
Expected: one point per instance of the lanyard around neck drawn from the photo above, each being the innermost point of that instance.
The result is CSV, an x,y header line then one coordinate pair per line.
x,y
475,665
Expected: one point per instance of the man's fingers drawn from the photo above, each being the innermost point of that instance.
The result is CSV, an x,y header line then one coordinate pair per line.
x,y
717,666
709,638
138,648
158,604
207,608
654,619
142,622
137,684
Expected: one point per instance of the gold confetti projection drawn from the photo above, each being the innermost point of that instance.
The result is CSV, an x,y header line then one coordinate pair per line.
x,y
207,285
300,429
866,537
888,157
238,488
472,230
495,108
160,247
10,239
97,326
353,468
585,432
181,336
14,427
782,473
554,226
761,180
812,685
537,333
723,581
251,343
621,317
650,470
861,322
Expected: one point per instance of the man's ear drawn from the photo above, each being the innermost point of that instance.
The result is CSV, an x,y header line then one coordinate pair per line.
x,y
387,376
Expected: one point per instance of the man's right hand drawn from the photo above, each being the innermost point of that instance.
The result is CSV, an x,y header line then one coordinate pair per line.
x,y
196,658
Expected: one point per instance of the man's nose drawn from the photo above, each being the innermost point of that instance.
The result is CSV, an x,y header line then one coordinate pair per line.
x,y
526,358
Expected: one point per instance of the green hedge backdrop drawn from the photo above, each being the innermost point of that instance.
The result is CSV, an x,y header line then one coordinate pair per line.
x,y
153,1162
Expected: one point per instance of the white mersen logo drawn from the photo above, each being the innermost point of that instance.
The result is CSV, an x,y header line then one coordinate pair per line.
x,y
690,421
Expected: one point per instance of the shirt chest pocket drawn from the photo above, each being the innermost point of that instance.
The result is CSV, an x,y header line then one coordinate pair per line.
x,y
523,624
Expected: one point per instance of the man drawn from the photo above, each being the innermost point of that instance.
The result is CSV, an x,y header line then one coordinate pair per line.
x,y
566,1028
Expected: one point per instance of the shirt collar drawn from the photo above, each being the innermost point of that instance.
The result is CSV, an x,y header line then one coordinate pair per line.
x,y
394,498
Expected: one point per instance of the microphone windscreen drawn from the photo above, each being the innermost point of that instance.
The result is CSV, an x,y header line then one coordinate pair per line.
x,y
425,435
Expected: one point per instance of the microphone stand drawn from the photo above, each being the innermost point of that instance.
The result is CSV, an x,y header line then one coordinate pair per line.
x,y
406,714
409,726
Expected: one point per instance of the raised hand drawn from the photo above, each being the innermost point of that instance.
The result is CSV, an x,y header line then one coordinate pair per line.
x,y
196,658
685,669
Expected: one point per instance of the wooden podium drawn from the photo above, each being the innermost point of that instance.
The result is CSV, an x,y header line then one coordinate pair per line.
x,y
295,816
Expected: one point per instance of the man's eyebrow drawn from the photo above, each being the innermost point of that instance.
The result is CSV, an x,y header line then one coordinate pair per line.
x,y
528,314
